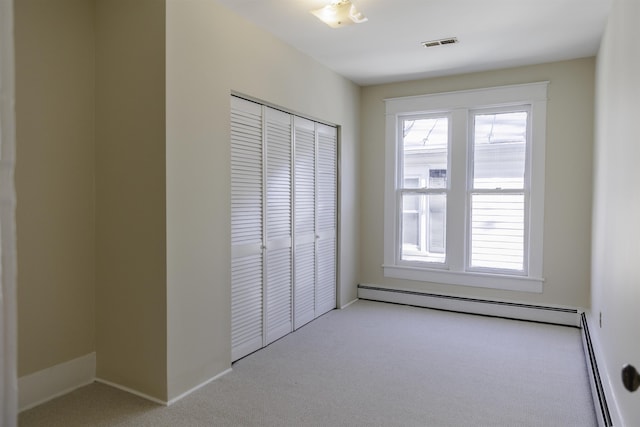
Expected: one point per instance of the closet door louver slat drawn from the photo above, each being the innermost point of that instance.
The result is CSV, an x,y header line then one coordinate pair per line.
x,y
305,220
278,287
246,306
246,228
327,218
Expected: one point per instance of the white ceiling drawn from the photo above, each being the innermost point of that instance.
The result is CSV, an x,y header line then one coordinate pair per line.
x,y
492,34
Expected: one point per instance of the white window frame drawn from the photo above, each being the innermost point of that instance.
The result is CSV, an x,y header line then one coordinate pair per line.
x,y
460,105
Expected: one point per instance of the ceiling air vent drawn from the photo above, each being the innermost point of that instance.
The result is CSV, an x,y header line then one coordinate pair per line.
x,y
433,43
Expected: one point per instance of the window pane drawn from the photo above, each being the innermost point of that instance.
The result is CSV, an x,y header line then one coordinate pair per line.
x,y
499,150
424,146
423,227
497,231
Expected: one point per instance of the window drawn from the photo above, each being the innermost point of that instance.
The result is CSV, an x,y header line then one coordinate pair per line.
x,y
464,195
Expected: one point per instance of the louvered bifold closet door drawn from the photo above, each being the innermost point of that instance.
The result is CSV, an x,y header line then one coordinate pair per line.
x,y
246,228
305,220
278,285
327,174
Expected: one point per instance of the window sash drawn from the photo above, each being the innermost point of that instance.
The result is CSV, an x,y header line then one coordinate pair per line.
x,y
523,107
506,231
401,174
472,190
403,190
425,220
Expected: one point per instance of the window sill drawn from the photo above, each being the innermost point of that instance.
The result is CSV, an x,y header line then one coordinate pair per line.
x,y
479,280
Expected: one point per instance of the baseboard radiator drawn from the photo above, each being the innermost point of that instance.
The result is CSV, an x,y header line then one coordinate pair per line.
x,y
599,397
509,310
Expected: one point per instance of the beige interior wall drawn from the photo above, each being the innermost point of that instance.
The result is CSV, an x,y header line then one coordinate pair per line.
x,y
54,46
93,217
210,53
616,229
130,194
567,187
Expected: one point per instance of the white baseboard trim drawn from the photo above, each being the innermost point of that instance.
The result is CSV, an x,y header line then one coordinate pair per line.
x,y
42,386
47,384
348,304
535,313
601,386
132,391
188,392
160,401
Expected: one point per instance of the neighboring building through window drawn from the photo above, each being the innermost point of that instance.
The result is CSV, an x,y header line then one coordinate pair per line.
x,y
464,191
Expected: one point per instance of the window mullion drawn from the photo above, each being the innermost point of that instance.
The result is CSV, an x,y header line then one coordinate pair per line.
x,y
456,205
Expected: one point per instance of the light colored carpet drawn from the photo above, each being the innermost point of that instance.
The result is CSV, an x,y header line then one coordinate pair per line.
x,y
373,364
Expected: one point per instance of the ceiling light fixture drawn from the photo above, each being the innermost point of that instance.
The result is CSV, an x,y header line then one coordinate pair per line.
x,y
339,14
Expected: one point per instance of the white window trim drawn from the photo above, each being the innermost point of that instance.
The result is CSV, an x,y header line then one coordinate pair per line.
x,y
459,104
